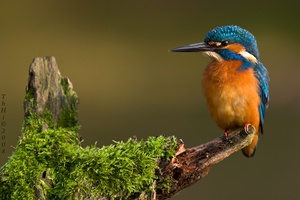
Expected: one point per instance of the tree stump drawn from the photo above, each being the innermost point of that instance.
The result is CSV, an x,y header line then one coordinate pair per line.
x,y
48,90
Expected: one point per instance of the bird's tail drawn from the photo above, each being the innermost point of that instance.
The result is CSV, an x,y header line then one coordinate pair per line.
x,y
249,151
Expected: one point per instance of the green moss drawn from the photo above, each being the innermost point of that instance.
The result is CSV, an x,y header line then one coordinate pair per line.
x,y
68,115
67,118
118,170
29,101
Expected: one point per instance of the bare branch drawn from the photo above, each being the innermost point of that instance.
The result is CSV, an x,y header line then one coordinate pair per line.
x,y
193,164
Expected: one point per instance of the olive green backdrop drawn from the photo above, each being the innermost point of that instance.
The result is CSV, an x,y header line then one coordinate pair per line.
x,y
116,55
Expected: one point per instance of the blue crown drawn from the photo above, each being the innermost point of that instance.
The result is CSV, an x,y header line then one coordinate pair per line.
x,y
234,34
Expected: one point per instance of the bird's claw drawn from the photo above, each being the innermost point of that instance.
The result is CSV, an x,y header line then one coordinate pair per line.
x,y
225,136
246,128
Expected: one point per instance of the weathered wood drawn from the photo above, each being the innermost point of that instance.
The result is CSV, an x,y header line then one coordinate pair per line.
x,y
48,90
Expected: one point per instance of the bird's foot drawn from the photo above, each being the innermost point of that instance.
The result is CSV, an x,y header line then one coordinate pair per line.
x,y
225,136
226,133
246,128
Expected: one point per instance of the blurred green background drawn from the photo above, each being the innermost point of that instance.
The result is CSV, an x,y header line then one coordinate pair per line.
x,y
116,55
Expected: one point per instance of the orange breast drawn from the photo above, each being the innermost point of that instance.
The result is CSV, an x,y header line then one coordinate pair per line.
x,y
232,96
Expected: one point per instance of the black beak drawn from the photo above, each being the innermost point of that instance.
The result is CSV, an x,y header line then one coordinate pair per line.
x,y
202,46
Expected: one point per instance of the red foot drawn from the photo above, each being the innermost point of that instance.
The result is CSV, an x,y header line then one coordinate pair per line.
x,y
225,133
246,128
225,136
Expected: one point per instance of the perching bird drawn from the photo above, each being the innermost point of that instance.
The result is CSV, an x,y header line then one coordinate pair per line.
x,y
235,82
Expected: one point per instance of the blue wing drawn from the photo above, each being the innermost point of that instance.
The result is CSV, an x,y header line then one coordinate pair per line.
x,y
261,74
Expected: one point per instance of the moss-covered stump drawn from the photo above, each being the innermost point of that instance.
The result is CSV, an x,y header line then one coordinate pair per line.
x,y
50,163
48,90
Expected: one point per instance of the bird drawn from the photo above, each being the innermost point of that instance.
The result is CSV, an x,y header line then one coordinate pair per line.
x,y
235,82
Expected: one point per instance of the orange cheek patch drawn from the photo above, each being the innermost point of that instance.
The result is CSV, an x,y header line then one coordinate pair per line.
x,y
236,48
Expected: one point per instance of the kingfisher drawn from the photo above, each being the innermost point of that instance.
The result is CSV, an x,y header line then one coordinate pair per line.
x,y
235,82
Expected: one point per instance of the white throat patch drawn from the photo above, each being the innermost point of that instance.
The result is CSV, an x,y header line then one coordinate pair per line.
x,y
219,58
213,55
248,56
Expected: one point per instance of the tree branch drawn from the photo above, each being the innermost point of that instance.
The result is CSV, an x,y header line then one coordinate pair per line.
x,y
192,164
56,166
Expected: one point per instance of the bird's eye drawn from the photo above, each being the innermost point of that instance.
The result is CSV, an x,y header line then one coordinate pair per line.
x,y
225,43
